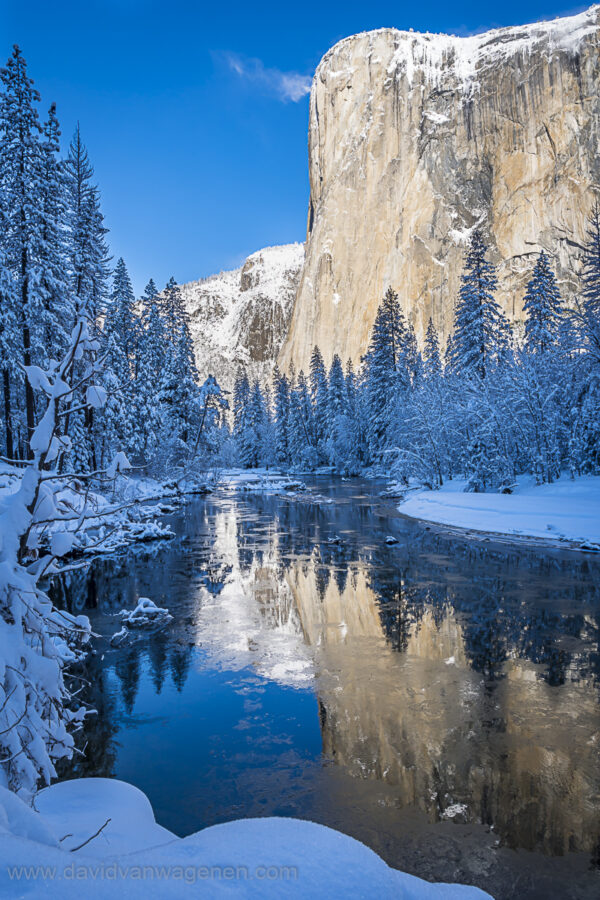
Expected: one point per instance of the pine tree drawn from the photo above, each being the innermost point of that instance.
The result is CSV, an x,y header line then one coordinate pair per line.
x,y
338,425
480,327
122,330
589,305
89,259
356,420
241,396
432,358
151,361
88,270
384,365
8,342
301,437
57,300
180,393
318,391
281,410
253,421
542,305
21,193
411,357
173,310
121,319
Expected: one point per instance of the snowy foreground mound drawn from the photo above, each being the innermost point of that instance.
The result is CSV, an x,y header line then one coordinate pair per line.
x,y
567,511
132,856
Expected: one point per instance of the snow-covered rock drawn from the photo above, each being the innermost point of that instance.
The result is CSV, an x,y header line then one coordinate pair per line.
x,y
242,316
146,613
130,855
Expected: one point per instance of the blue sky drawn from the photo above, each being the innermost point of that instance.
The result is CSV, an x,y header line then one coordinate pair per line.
x,y
195,114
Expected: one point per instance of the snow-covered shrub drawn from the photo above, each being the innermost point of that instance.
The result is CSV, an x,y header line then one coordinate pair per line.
x,y
38,708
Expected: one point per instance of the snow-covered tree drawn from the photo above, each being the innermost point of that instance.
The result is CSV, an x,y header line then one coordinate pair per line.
x,y
301,434
151,360
21,193
588,305
481,330
432,361
88,253
384,367
38,710
88,267
57,299
212,405
542,306
319,396
121,319
281,416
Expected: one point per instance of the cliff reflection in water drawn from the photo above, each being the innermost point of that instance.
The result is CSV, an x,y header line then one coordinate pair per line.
x,y
406,699
462,677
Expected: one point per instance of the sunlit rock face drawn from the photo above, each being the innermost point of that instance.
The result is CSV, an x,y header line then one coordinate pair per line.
x,y
241,317
414,140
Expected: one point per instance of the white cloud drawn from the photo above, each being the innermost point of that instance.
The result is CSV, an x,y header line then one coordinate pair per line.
x,y
284,85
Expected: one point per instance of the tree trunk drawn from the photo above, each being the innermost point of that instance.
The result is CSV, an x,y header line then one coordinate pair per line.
x,y
7,416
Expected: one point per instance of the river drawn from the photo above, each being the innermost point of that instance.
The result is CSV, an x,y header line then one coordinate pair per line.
x,y
436,698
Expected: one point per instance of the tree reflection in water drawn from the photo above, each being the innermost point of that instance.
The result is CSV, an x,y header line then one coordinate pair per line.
x,y
446,679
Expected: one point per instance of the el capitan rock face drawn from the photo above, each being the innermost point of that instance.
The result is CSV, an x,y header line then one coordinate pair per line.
x,y
414,140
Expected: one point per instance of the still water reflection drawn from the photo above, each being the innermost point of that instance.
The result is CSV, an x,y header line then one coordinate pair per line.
x,y
437,699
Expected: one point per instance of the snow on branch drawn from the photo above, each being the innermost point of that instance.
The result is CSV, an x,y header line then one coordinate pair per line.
x,y
38,712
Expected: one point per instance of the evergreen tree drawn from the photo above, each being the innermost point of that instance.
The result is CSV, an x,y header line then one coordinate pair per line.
x,y
57,300
281,410
542,305
412,360
384,365
151,366
21,193
122,329
88,270
251,429
339,438
180,393
173,310
301,437
241,418
432,358
480,327
121,319
241,396
8,342
589,305
318,391
88,253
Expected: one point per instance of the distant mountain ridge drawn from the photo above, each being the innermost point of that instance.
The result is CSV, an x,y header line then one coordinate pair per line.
x,y
241,317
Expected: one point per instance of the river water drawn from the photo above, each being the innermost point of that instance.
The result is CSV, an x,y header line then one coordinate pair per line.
x,y
436,698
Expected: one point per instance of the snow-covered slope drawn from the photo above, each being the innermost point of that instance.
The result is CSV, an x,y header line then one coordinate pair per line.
x,y
566,511
242,316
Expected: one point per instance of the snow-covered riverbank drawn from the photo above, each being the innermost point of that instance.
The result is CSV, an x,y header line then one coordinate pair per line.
x,y
53,852
566,512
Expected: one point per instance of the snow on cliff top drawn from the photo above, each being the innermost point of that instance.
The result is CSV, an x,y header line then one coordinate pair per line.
x,y
220,306
271,264
438,55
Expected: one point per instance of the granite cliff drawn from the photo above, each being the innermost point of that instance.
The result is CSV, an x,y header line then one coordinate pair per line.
x,y
414,140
